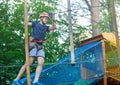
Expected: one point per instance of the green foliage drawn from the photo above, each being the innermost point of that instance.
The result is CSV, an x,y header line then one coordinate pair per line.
x,y
112,58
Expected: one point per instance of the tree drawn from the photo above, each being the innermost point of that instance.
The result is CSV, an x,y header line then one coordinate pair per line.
x,y
95,13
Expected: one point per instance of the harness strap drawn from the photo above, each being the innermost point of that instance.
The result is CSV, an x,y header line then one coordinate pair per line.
x,y
35,46
39,41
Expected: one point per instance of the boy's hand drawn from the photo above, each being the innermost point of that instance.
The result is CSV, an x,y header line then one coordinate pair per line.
x,y
52,16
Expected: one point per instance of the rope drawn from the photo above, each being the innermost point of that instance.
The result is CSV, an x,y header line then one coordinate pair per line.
x,y
79,62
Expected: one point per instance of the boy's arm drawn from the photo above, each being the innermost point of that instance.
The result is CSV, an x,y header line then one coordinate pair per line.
x,y
53,25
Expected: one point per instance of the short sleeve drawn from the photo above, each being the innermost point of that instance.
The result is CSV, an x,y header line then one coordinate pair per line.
x,y
33,23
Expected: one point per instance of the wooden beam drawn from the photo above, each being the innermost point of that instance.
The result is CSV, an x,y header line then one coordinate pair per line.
x,y
81,67
104,62
26,42
90,40
71,34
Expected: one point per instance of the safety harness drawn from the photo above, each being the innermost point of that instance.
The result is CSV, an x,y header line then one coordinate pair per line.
x,y
37,43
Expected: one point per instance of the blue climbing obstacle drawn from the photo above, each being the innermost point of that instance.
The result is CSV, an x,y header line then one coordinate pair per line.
x,y
87,70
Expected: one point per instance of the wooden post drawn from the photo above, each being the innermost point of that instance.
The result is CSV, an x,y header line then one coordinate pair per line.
x,y
83,70
81,67
104,62
71,34
26,42
116,29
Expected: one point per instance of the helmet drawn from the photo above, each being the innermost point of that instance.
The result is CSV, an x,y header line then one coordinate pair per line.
x,y
44,14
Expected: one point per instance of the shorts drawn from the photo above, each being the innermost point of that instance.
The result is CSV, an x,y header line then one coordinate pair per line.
x,y
36,51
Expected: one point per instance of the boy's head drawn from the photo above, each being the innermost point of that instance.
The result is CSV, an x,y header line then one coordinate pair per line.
x,y
44,17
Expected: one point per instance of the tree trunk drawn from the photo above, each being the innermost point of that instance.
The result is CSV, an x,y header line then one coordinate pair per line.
x,y
95,17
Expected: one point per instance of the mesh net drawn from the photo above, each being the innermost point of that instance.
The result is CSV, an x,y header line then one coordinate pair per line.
x,y
92,62
88,62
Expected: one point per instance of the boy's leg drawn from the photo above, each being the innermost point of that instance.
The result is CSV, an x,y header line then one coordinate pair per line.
x,y
39,68
23,68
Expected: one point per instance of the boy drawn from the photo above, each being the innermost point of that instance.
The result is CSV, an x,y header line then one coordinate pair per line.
x,y
39,30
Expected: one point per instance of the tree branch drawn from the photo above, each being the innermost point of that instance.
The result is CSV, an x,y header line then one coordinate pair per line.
x,y
88,4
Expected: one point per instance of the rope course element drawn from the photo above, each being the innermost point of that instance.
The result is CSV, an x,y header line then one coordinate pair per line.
x,y
78,62
92,60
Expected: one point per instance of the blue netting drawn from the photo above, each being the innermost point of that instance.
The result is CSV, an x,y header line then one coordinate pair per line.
x,y
64,73
92,59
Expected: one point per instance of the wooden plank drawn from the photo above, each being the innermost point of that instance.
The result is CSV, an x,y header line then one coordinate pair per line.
x,y
90,40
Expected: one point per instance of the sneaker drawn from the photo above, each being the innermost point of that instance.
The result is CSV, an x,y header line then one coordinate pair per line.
x,y
37,83
16,82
